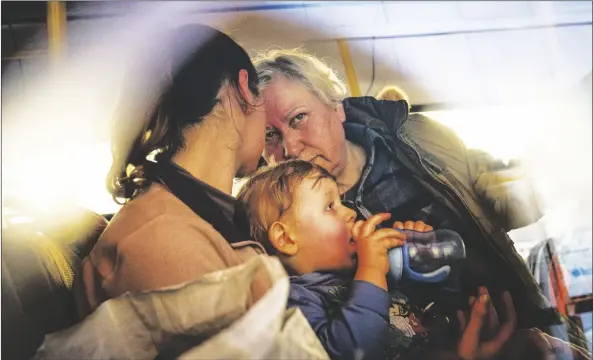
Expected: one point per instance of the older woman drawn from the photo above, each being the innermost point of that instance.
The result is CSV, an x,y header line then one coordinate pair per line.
x,y
388,160
179,220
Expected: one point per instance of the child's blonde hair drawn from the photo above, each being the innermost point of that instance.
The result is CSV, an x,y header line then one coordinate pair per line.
x,y
269,194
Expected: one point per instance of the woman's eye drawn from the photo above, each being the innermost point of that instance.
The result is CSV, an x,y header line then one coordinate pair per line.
x,y
330,207
295,121
272,137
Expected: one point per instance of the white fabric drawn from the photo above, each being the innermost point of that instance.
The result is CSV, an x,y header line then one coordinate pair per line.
x,y
207,318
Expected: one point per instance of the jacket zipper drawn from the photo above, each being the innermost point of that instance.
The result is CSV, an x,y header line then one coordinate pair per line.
x,y
358,200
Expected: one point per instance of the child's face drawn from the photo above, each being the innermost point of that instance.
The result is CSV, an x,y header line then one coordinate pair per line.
x,y
322,227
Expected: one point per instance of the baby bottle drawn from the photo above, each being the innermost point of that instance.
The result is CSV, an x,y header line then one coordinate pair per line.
x,y
426,256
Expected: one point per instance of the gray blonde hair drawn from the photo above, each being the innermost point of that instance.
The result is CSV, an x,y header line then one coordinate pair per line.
x,y
297,65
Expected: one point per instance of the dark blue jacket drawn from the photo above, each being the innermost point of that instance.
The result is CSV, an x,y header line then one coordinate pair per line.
x,y
350,318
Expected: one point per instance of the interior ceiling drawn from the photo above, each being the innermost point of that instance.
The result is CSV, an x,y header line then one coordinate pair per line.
x,y
439,52
468,53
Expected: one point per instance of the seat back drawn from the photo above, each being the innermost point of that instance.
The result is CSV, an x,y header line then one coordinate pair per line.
x,y
38,267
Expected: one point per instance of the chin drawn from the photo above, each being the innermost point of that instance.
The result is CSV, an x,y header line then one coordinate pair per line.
x,y
334,168
247,170
241,174
326,164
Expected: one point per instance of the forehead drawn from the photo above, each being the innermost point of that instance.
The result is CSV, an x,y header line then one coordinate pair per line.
x,y
313,186
282,95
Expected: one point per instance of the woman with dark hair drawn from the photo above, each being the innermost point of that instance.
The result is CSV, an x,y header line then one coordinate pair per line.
x,y
179,221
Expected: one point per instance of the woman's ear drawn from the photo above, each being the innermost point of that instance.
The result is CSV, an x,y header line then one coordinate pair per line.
x,y
281,240
244,86
340,111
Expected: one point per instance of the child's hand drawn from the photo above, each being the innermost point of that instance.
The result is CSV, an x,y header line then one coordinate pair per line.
x,y
372,247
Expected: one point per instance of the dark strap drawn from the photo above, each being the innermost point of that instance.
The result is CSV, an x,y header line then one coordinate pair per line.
x,y
185,187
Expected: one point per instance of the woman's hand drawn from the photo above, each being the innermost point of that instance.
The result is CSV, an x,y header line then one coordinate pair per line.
x,y
470,346
372,247
416,227
533,344
412,225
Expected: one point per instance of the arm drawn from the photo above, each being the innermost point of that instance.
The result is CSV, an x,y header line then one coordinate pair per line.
x,y
506,188
503,188
360,326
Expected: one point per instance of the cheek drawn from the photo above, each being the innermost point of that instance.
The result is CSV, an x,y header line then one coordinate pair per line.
x,y
260,128
323,226
315,134
337,136
336,232
327,139
254,141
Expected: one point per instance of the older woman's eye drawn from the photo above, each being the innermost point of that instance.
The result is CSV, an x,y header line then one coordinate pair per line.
x,y
272,137
296,121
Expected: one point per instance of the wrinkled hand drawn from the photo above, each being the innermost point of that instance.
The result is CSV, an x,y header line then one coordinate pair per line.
x,y
419,226
416,228
470,346
372,246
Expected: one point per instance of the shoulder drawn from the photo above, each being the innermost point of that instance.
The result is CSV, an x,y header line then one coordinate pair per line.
x,y
435,142
320,289
300,293
156,201
157,223
419,123
384,116
154,209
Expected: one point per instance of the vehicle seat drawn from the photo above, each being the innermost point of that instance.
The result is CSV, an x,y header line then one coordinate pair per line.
x,y
38,266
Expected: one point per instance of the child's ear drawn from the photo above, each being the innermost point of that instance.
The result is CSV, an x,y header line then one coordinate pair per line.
x,y
281,240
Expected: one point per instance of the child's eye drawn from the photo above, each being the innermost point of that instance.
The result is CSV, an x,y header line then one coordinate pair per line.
x,y
330,206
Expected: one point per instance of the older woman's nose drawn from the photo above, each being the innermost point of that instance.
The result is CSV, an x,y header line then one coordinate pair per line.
x,y
292,146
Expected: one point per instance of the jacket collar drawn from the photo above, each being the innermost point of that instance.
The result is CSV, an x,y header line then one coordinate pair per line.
x,y
383,116
320,279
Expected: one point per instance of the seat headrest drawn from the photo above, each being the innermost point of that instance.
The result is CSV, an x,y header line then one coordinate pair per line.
x,y
39,261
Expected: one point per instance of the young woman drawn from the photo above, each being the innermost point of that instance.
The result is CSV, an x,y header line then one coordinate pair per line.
x,y
179,220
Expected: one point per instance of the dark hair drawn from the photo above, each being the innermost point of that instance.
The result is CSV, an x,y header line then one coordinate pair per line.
x,y
202,60
269,193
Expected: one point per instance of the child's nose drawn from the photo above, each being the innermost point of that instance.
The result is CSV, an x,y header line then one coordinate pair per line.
x,y
349,215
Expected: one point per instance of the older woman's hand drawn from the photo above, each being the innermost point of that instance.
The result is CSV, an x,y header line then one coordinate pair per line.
x,y
419,226
471,346
533,344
